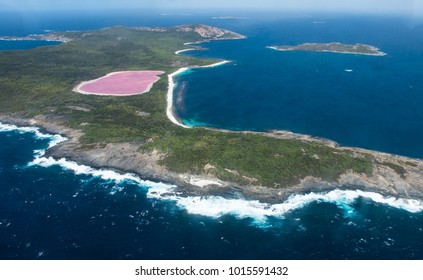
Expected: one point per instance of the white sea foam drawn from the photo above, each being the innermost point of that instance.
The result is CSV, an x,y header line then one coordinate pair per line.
x,y
76,168
54,138
34,130
107,175
217,206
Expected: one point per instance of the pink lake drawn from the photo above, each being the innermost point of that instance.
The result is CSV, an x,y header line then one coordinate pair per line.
x,y
120,83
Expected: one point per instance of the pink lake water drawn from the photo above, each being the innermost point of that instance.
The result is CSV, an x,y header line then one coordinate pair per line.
x,y
121,83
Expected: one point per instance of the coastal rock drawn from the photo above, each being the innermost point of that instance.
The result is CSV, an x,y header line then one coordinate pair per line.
x,y
205,31
209,32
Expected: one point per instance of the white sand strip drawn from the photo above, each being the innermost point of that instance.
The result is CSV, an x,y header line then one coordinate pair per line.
x,y
171,88
185,50
214,64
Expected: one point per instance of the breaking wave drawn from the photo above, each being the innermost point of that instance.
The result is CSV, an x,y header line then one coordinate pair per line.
x,y
54,138
217,206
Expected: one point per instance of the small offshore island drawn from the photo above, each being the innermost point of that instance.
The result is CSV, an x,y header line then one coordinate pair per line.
x,y
333,47
141,134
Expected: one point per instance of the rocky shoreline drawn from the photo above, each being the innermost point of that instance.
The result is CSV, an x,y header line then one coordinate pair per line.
x,y
126,157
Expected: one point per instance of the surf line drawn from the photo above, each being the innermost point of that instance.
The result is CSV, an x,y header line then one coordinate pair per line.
x,y
216,206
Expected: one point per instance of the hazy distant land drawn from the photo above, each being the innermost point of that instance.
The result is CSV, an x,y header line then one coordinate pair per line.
x,y
54,37
333,47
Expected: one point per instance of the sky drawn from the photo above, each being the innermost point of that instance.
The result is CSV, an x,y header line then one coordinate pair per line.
x,y
377,6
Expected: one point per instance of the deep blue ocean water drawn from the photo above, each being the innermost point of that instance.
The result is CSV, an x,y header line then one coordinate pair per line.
x,y
56,209
24,45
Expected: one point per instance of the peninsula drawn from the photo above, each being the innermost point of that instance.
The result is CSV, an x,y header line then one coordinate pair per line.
x,y
54,37
134,133
333,47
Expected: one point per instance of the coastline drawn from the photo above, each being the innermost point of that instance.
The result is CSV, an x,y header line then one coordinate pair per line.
x,y
384,181
258,203
126,158
169,97
185,50
171,87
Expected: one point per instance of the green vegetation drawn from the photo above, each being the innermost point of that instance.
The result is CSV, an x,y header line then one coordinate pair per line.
x,y
40,82
400,170
250,158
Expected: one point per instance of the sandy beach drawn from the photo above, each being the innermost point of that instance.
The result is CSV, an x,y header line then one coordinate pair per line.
x,y
169,105
185,50
171,88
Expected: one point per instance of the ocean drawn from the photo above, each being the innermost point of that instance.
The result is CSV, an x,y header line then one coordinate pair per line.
x,y
58,209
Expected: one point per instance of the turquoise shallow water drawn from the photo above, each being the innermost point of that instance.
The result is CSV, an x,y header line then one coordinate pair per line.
x,y
365,101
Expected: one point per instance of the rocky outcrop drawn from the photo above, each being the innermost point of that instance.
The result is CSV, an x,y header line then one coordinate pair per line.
x,y
209,32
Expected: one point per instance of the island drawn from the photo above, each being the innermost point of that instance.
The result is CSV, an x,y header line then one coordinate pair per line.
x,y
141,134
333,47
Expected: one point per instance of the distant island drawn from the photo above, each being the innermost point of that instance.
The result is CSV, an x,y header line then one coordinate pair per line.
x,y
229,17
333,47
